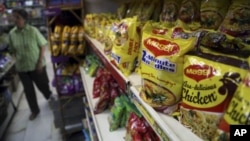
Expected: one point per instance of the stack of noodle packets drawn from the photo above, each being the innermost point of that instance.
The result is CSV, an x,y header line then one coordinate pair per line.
x,y
161,64
211,78
238,110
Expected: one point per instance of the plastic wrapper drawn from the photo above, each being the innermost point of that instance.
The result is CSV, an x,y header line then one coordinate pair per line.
x,y
162,64
121,11
157,11
126,47
213,13
237,19
210,80
238,110
65,40
170,12
117,112
189,14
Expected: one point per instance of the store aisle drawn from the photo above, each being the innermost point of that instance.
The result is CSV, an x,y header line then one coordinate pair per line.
x,y
40,129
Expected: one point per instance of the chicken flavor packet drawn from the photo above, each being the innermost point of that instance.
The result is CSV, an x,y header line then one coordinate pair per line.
x,y
238,110
209,83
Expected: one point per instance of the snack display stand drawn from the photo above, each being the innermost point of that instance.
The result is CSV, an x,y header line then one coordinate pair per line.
x,y
168,128
70,104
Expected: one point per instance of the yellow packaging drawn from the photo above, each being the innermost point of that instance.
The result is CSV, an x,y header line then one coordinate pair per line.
x,y
126,46
209,82
65,39
213,13
238,110
162,63
237,19
189,15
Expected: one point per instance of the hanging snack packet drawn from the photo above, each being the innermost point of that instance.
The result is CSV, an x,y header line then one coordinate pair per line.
x,y
126,46
162,65
238,111
212,13
210,80
237,20
189,14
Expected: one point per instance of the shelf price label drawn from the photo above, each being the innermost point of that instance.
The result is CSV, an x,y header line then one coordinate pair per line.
x,y
150,119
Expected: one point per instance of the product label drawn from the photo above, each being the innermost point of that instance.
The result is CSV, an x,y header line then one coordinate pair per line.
x,y
208,84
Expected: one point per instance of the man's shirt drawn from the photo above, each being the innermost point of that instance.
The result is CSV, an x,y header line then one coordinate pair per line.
x,y
25,44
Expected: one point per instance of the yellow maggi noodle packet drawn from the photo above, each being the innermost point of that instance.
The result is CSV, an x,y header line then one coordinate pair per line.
x,y
209,82
170,12
223,43
126,45
162,65
238,110
109,37
237,19
189,15
148,7
213,13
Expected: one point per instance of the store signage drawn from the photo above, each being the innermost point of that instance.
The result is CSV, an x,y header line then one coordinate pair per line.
x,y
51,12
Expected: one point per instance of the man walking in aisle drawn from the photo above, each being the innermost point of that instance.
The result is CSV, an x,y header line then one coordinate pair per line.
x,y
27,45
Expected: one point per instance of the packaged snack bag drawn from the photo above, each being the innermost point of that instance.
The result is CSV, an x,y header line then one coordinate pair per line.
x,y
210,80
238,111
157,11
162,65
73,40
212,13
170,12
121,10
225,43
56,38
237,20
189,14
65,39
126,46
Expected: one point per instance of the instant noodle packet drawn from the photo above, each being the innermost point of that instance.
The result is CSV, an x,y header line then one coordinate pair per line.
x,y
224,43
238,111
189,15
210,80
237,20
170,12
126,46
212,13
162,65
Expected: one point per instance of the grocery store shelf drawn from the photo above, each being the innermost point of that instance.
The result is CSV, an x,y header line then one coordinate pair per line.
x,y
101,119
165,126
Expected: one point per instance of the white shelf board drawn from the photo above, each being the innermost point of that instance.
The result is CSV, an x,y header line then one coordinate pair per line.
x,y
89,126
174,130
101,119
